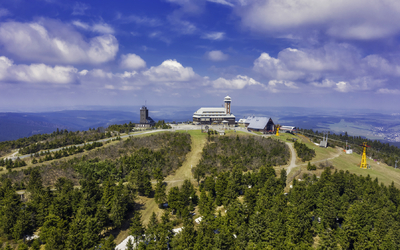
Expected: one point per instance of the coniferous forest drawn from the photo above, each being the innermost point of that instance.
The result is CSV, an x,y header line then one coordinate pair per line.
x,y
245,152
57,139
241,202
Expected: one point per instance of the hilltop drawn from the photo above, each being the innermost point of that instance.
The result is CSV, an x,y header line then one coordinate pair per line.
x,y
181,161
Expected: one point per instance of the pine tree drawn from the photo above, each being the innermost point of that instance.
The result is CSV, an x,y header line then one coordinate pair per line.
x,y
77,231
147,188
283,177
224,239
230,192
35,186
220,187
250,197
157,174
152,230
9,211
159,195
53,232
101,217
108,243
164,232
108,193
129,245
118,208
136,228
7,247
22,246
205,235
24,224
35,245
174,199
187,238
91,234
203,202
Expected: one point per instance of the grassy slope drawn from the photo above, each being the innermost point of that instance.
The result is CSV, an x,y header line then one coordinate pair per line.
x,y
342,161
383,172
184,172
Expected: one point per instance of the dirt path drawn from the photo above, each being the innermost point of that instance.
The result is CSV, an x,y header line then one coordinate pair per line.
x,y
12,156
192,159
339,153
181,174
292,158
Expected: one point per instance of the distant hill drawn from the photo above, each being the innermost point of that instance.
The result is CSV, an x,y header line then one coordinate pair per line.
x,y
18,125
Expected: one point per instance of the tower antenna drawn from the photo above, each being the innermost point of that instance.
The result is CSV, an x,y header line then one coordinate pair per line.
x,y
364,156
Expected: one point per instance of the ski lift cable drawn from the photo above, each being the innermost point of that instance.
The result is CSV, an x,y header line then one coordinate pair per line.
x,y
348,143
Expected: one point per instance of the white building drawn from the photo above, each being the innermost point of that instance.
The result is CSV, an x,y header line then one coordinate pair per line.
x,y
215,115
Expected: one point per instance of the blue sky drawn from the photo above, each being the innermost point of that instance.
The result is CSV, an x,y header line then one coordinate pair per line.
x,y
309,53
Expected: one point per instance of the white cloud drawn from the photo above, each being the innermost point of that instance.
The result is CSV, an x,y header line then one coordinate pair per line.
x,y
382,65
183,26
355,84
80,8
356,19
51,41
102,28
99,78
214,36
337,66
187,6
389,91
170,71
35,73
160,36
224,2
275,68
132,61
141,20
343,86
276,86
4,12
217,55
236,83
309,64
326,83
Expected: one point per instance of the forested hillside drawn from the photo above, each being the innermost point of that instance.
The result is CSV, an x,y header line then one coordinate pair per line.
x,y
57,139
164,150
339,210
70,218
245,152
240,200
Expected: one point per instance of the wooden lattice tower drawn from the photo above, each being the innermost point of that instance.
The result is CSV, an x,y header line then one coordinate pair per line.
x,y
364,156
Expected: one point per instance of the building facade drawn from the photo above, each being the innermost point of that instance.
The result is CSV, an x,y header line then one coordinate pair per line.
x,y
260,124
145,119
215,115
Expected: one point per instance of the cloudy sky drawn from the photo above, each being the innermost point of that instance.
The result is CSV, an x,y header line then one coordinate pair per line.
x,y
308,53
